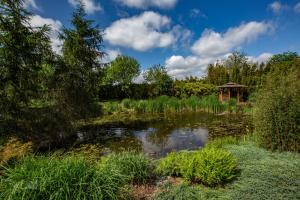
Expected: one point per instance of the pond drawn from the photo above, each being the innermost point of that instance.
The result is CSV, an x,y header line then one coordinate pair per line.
x,y
164,133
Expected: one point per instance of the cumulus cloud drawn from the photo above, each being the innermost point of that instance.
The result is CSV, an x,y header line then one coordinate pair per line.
x,y
142,32
212,43
180,67
213,46
111,54
30,4
55,25
264,57
143,4
297,7
90,6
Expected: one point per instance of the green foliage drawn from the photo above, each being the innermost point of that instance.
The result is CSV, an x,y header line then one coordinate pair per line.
x,y
180,192
122,71
165,104
277,108
231,105
135,166
263,175
158,76
221,142
60,178
210,166
79,73
186,89
237,68
214,166
24,52
171,165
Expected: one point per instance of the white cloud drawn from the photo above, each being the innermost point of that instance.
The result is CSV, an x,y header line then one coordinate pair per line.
x,y
276,7
212,43
111,54
143,4
264,57
89,5
30,4
297,7
56,26
142,32
213,46
180,67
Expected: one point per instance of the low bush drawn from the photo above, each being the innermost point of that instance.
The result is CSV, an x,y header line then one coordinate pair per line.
x,y
135,166
60,178
210,166
214,166
172,164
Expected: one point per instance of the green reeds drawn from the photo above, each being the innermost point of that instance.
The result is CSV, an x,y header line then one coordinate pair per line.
x,y
165,104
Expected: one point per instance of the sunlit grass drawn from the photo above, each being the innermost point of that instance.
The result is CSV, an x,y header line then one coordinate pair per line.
x,y
165,104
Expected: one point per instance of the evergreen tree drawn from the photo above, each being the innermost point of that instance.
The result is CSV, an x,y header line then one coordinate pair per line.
x,y
80,73
23,52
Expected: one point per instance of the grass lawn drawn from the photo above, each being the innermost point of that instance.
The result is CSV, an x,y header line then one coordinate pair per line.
x,y
263,175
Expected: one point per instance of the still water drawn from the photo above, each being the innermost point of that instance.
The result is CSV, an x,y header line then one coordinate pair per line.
x,y
165,133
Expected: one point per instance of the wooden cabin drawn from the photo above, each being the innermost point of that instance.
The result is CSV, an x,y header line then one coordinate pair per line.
x,y
233,90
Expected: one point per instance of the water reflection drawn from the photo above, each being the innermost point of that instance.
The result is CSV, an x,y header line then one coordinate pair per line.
x,y
178,139
169,133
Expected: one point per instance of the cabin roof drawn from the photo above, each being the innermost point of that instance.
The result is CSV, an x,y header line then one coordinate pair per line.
x,y
232,85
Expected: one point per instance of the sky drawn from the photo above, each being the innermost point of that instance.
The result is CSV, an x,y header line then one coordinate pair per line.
x,y
183,35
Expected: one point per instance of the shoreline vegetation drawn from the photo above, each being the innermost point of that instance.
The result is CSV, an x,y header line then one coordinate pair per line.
x,y
252,173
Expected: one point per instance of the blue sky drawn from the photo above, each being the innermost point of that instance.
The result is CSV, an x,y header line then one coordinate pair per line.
x,y
184,35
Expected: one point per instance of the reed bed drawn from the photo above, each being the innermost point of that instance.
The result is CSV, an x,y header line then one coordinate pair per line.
x,y
165,104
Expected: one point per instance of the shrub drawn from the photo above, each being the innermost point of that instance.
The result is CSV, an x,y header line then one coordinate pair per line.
x,y
136,166
210,166
277,111
181,88
171,165
54,178
214,166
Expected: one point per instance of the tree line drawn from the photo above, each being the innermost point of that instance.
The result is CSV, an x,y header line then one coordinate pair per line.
x,y
42,92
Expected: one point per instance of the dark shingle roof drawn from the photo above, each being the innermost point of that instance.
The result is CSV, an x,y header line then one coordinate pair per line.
x,y
232,85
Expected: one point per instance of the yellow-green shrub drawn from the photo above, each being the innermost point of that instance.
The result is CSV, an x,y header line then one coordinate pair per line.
x,y
14,150
210,166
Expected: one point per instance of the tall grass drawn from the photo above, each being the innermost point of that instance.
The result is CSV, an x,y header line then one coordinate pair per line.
x,y
165,104
38,177
136,166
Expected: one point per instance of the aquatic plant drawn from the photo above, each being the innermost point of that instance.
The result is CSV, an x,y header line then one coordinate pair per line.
x,y
165,104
